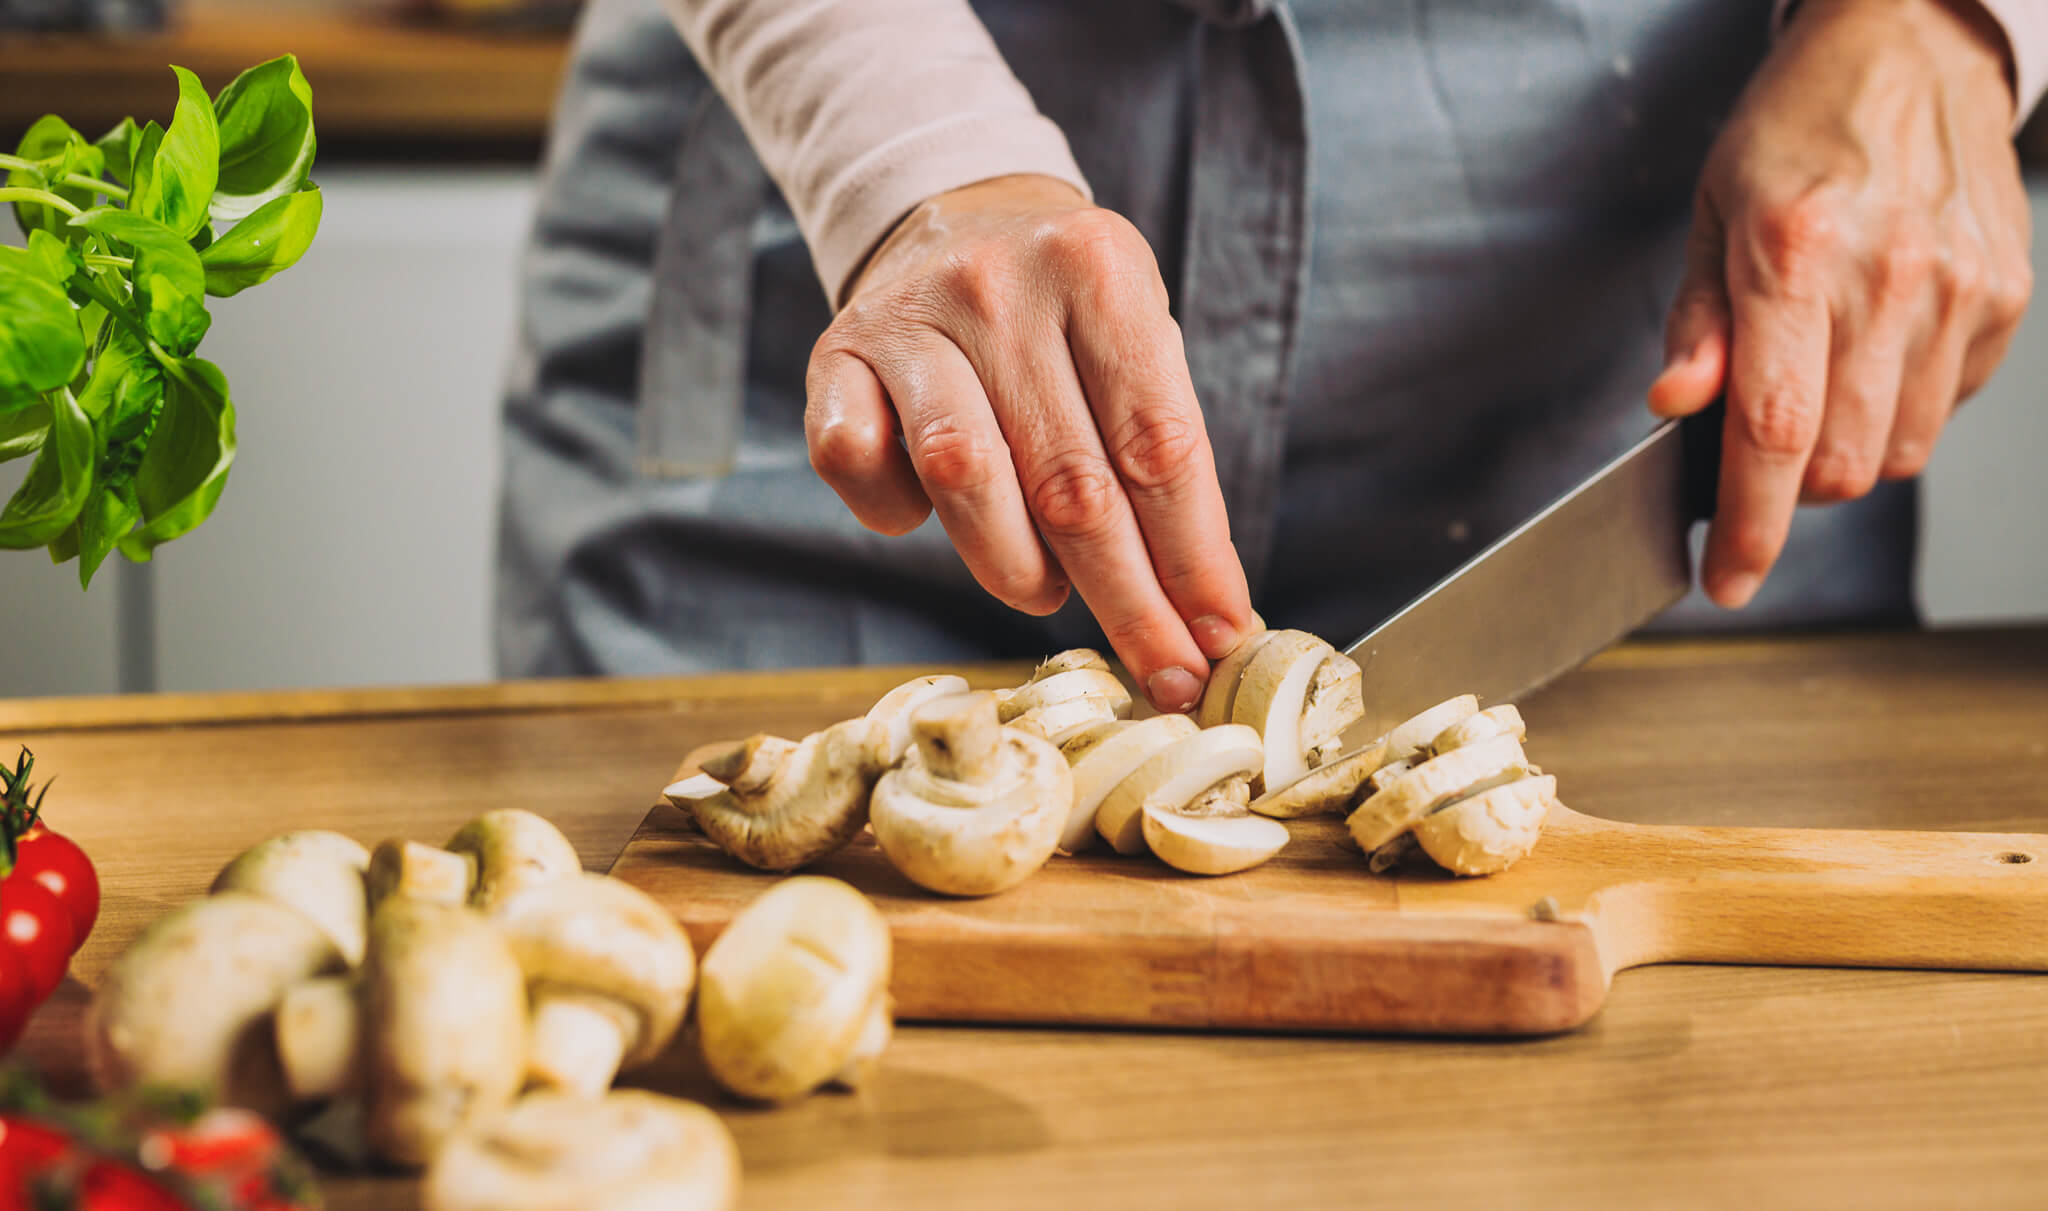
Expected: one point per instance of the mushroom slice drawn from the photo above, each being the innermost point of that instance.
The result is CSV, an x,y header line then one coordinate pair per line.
x,y
896,706
1068,661
1214,835
1503,720
1271,700
1106,759
786,805
1175,775
795,991
1392,854
1335,701
1490,831
1327,788
185,1004
318,873
609,974
975,807
1039,693
1412,738
1220,695
1430,785
629,1150
1059,722
1386,775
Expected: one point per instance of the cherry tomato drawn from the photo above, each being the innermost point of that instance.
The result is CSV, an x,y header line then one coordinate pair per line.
x,y
35,926
17,998
28,1147
56,862
110,1186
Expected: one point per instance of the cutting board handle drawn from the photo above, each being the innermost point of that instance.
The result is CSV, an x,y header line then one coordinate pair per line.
x,y
1822,897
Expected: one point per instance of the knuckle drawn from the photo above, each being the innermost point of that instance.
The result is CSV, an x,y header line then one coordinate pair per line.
x,y
843,449
1779,424
953,460
976,281
1837,475
1904,265
1026,590
1093,243
1075,498
1907,458
1157,447
1796,235
2009,295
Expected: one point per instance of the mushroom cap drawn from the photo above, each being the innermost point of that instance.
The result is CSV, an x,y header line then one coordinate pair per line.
x,y
189,1002
972,838
318,873
1103,759
1503,720
1058,687
785,814
513,849
444,1011
1433,783
1272,699
1175,775
1491,830
786,992
1220,695
1214,835
895,707
595,934
629,1150
1327,788
1412,738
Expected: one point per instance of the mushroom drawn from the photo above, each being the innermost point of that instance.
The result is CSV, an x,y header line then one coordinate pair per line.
x,y
1457,774
1176,776
629,1150
1276,697
896,706
1049,688
436,1023
1059,722
1215,834
189,1003
1327,788
1490,830
608,973
1503,720
1104,756
789,803
795,992
1412,739
318,873
975,807
1220,695
486,862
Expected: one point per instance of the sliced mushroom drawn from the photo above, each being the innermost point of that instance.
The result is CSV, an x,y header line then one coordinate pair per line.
x,y
629,1150
1412,738
1327,788
896,706
1386,775
487,860
795,992
608,972
975,807
318,873
1220,695
1177,774
1059,722
1215,834
788,804
1392,854
1272,699
1503,720
1433,783
1335,701
1491,830
1103,758
188,1003
1068,661
1051,689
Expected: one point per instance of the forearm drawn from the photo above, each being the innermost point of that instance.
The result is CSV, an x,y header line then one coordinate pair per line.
x,y
860,111
2023,25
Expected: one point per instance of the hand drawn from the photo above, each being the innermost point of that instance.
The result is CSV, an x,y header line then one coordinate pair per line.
x,y
1019,339
1857,267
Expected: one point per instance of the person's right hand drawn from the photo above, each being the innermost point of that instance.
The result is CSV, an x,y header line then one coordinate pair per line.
x,y
1019,340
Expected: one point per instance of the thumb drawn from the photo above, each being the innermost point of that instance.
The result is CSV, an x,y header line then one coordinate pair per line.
x,y
1696,331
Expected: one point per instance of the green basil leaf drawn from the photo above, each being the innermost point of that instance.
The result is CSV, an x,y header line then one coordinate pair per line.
x,y
180,479
186,166
57,483
40,345
49,139
117,146
170,284
143,163
109,514
53,258
263,245
123,359
266,138
22,430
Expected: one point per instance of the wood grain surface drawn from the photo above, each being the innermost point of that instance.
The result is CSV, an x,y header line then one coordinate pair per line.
x,y
1694,1087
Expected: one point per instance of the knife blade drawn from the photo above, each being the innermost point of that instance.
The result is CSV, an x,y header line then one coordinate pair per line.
x,y
1599,562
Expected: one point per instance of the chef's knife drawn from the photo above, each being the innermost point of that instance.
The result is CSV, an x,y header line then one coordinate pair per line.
x,y
1600,562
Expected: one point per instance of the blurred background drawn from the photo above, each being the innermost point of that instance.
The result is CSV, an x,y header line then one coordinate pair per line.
x,y
353,544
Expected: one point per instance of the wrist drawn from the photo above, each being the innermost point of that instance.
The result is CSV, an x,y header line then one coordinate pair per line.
x,y
1962,36
1017,194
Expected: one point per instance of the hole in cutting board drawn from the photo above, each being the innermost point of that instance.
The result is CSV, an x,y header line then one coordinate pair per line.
x,y
2015,858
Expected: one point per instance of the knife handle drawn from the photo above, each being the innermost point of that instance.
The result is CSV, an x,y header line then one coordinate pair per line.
x,y
1700,434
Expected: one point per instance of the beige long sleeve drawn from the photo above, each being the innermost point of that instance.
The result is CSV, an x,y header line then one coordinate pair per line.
x,y
2025,23
861,109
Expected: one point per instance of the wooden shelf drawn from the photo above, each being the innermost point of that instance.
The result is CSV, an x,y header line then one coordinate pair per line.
x,y
373,82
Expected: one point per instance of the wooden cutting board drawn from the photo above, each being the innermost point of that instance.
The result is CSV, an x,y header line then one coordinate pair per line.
x,y
1311,941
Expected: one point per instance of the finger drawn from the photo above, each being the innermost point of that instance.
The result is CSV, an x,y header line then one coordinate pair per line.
x,y
1776,385
1928,392
850,430
1868,334
964,465
1696,330
2005,303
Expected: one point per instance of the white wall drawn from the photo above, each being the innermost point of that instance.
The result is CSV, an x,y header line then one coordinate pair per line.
x,y
352,546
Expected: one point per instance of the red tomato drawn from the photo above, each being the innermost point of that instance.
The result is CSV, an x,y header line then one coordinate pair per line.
x,y
17,999
109,1186
28,1147
34,925
56,862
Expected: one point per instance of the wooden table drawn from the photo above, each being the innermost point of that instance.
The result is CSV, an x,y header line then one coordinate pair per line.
x,y
1696,1087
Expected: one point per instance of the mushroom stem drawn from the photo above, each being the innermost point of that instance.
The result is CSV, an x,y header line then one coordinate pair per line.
x,y
318,1031
578,1041
959,738
747,765
867,1052
419,872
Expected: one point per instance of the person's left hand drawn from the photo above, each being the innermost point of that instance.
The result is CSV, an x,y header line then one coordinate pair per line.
x,y
1858,263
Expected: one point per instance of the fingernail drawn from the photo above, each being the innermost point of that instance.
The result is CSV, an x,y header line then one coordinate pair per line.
x,y
1738,590
1172,690
1213,635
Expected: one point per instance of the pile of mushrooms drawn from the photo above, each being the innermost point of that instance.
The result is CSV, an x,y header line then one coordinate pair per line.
x,y
475,1002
